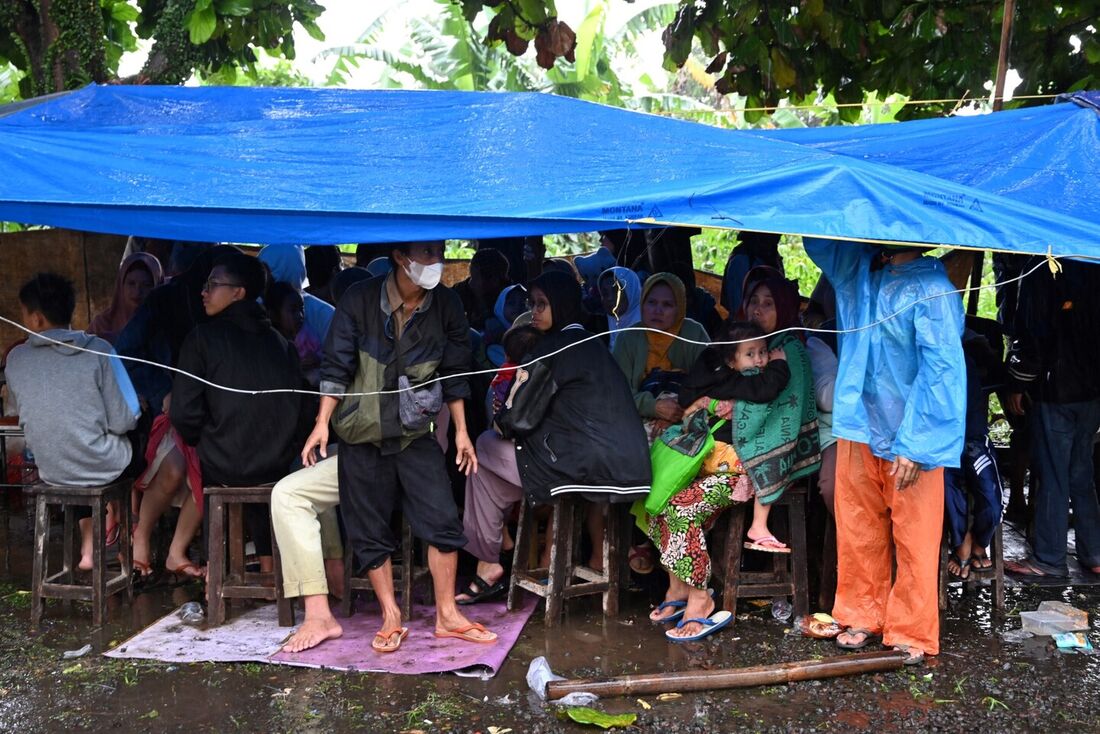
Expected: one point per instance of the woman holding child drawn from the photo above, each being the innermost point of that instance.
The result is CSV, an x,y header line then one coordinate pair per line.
x,y
764,387
655,365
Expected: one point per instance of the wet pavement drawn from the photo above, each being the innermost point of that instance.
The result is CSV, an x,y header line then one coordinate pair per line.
x,y
979,683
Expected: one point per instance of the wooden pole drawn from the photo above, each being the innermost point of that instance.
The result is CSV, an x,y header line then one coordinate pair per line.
x,y
998,105
708,680
1002,55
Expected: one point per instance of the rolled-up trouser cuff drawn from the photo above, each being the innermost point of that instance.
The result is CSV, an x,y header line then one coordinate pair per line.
x,y
312,587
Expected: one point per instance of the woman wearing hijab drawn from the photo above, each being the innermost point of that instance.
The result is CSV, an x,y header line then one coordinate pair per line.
x,y
138,274
655,363
569,425
621,294
776,443
772,302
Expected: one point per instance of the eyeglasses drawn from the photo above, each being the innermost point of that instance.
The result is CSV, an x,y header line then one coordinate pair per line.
x,y
211,284
534,306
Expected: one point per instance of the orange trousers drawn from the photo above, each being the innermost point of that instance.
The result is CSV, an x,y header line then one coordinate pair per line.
x,y
873,521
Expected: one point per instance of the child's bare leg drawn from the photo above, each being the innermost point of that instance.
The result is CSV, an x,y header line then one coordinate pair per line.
x,y
759,530
85,544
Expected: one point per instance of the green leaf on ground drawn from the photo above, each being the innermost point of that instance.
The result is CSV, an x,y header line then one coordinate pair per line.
x,y
592,717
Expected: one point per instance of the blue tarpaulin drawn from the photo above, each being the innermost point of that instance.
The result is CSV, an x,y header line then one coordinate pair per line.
x,y
321,166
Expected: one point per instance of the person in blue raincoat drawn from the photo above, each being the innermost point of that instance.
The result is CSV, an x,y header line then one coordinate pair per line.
x,y
899,408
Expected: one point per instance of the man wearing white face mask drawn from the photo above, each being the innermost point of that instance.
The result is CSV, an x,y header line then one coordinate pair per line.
x,y
392,356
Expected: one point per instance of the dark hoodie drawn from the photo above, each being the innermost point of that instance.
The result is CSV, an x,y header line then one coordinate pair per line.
x,y
242,439
572,414
159,326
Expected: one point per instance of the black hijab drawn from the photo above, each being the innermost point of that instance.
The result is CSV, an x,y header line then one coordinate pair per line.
x,y
564,294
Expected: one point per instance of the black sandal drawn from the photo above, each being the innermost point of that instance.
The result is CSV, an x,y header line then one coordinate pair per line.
x,y
964,567
481,590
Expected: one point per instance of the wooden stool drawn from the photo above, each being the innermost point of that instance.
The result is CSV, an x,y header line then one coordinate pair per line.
x,y
783,580
237,583
995,573
401,579
826,595
63,585
559,582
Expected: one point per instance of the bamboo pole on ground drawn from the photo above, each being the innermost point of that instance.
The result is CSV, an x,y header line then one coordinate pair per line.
x,y
707,680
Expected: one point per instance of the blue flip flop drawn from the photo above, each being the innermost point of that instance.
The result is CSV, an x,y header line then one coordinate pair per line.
x,y
677,605
711,624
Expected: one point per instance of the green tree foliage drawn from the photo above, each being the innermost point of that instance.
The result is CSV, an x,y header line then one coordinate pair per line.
x,y
767,51
448,51
53,45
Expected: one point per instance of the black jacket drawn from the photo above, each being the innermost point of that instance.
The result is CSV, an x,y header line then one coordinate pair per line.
x,y
241,439
361,357
575,424
1056,352
711,376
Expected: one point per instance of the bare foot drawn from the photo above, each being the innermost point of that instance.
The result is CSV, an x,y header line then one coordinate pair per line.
x,y
658,614
312,633
490,573
85,563
696,609
184,567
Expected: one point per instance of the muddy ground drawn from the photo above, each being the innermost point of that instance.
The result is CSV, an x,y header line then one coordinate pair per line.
x,y
979,683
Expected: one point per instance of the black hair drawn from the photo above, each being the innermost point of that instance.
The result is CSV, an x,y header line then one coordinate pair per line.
x,y
737,331
405,247
490,262
248,271
51,295
564,295
276,296
184,254
520,341
561,265
367,251
346,279
322,262
686,273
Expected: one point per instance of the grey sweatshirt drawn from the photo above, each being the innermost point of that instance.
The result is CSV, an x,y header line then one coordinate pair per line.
x,y
75,407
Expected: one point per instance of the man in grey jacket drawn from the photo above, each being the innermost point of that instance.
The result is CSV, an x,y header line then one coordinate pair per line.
x,y
75,407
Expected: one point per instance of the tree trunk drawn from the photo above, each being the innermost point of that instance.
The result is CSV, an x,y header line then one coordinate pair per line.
x,y
62,42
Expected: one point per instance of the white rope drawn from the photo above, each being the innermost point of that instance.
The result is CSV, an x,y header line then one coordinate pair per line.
x,y
1050,260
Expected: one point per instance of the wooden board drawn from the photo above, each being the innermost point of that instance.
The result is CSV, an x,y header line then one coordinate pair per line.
x,y
89,260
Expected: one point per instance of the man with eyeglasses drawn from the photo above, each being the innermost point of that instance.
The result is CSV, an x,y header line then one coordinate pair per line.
x,y
394,355
242,439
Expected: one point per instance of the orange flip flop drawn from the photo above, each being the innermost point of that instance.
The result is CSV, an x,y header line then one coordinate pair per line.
x,y
463,633
386,636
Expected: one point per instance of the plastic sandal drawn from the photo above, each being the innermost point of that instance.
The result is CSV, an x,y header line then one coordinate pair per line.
x,y
676,604
711,624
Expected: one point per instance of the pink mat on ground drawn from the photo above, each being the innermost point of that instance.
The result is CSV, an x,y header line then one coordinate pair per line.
x,y
256,636
422,651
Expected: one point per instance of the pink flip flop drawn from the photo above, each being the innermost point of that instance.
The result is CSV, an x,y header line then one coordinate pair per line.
x,y
767,544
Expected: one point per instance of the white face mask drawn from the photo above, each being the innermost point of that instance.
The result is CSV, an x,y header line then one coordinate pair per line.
x,y
425,276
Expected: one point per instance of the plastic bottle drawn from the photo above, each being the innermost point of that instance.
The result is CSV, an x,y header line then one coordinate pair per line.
x,y
192,613
781,608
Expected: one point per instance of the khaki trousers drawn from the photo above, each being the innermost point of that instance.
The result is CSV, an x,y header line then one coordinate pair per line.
x,y
303,514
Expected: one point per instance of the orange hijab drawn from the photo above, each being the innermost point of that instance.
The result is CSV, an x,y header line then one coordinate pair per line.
x,y
659,344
